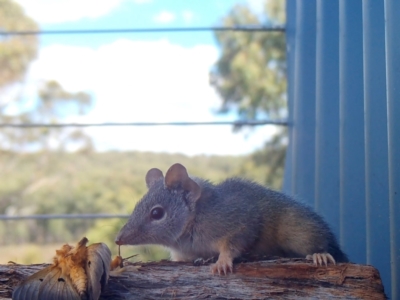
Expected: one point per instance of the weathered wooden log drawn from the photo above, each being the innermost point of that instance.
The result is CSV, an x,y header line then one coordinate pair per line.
x,y
277,279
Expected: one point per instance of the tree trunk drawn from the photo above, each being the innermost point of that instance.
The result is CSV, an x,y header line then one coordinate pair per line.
x,y
277,279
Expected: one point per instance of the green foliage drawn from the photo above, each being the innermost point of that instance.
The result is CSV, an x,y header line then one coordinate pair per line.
x,y
250,77
268,162
53,105
16,52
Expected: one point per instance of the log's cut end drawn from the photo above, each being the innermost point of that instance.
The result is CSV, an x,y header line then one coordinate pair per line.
x,y
276,279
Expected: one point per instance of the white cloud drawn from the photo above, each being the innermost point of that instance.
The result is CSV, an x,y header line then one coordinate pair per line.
x,y
51,11
257,6
187,16
135,81
142,1
164,17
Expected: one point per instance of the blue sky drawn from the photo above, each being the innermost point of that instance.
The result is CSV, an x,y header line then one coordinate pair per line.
x,y
149,14
155,77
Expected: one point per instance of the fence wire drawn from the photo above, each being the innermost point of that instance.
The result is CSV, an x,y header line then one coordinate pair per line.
x,y
111,124
247,28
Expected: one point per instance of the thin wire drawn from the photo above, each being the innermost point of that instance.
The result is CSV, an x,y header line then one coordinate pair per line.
x,y
144,30
110,124
63,216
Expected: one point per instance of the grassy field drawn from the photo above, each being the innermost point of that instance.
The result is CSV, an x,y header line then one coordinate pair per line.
x,y
28,253
37,254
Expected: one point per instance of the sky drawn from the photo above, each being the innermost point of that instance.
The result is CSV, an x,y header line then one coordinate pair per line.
x,y
141,77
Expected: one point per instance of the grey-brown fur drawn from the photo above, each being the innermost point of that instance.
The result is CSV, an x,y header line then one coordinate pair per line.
x,y
228,219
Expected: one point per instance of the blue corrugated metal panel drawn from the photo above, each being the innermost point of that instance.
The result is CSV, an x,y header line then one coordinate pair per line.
x,y
290,50
303,133
392,17
351,100
376,143
327,113
344,102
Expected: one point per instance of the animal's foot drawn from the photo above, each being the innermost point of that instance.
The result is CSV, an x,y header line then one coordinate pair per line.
x,y
223,265
321,258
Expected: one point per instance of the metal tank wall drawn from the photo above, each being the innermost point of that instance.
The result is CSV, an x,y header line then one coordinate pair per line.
x,y
343,157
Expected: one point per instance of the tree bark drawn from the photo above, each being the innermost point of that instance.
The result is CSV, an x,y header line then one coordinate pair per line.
x,y
276,279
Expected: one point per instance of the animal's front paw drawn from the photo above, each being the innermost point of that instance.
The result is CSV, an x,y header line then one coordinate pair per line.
x,y
321,259
223,265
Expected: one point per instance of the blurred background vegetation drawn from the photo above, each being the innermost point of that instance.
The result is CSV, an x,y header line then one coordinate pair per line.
x,y
58,171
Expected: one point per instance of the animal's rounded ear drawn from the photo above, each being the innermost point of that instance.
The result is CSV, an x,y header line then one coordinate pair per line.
x,y
178,178
152,176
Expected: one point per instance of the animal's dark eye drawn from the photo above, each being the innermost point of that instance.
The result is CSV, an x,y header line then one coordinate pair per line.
x,y
157,213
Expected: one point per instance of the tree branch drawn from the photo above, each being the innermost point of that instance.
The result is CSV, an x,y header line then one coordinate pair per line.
x,y
277,279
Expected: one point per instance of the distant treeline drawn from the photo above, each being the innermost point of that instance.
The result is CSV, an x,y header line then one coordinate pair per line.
x,y
111,182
